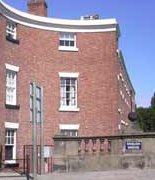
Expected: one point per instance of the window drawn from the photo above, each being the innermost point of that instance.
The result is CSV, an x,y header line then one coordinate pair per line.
x,y
11,30
10,142
68,92
38,102
11,87
67,41
9,137
11,84
69,132
10,145
69,129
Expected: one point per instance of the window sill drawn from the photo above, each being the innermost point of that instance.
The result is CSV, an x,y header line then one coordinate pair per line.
x,y
16,41
69,109
64,48
10,106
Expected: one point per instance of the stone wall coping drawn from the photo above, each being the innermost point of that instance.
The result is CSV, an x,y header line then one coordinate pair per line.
x,y
124,136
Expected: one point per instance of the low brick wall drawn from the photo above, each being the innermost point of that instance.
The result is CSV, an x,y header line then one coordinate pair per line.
x,y
102,153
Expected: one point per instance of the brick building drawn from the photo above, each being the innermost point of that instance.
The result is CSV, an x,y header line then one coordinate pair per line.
x,y
77,63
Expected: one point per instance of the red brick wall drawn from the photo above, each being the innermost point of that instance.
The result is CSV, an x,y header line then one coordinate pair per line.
x,y
39,60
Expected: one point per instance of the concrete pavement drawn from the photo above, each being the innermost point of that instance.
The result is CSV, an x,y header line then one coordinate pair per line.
x,y
129,174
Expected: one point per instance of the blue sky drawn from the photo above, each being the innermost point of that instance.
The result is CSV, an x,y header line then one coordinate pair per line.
x,y
137,42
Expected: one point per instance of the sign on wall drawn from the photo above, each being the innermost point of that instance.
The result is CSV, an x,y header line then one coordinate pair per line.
x,y
133,146
48,151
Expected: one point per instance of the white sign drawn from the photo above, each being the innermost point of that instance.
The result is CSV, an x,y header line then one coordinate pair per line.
x,y
48,151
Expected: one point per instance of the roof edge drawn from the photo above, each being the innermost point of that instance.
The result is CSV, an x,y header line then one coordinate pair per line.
x,y
46,22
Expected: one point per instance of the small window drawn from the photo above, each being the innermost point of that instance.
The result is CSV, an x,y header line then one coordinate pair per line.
x,y
11,30
69,129
69,132
67,41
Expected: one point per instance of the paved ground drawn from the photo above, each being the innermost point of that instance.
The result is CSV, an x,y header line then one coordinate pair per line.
x,y
130,174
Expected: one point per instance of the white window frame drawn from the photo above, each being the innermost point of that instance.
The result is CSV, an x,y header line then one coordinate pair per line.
x,y
69,127
14,127
67,37
11,30
69,107
11,84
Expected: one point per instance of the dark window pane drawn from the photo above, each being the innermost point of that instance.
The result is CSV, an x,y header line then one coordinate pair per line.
x,y
73,82
68,81
72,43
12,132
66,43
67,88
8,152
67,102
62,43
8,140
67,95
12,140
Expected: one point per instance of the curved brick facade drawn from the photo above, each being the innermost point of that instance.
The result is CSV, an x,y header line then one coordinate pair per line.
x,y
101,92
